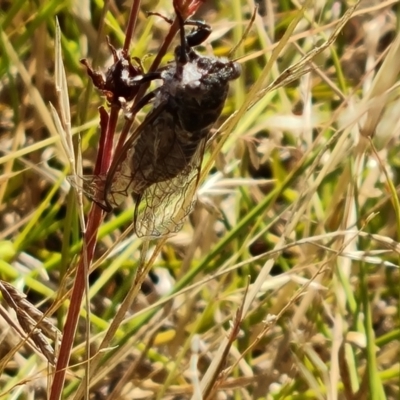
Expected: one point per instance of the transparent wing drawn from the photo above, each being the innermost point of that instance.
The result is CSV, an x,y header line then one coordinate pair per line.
x,y
163,206
92,187
110,190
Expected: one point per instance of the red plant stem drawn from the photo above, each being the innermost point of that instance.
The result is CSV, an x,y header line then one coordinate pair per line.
x,y
160,54
124,134
90,240
104,156
131,24
75,304
104,120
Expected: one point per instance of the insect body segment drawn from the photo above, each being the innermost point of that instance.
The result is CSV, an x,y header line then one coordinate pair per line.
x,y
160,164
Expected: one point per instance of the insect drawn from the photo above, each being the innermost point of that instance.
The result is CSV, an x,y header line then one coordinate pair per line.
x,y
159,164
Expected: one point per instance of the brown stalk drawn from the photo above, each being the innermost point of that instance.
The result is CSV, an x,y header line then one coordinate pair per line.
x,y
103,162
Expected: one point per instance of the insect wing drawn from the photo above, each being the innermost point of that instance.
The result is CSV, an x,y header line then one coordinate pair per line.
x,y
92,187
164,205
110,190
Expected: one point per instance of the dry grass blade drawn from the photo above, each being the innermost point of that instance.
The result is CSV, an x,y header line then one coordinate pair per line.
x,y
64,123
63,120
36,326
231,337
36,97
304,66
294,204
384,80
292,73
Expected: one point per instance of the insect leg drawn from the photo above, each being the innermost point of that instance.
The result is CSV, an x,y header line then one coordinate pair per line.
x,y
150,76
195,37
143,101
166,19
199,35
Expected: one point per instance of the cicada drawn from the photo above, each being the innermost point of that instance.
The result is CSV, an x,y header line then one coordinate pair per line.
x,y
159,164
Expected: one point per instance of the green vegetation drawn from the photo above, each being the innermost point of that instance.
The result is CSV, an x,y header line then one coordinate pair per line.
x,y
284,281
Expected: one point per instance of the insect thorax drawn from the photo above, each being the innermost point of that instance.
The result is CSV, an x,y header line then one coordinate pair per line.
x,y
197,90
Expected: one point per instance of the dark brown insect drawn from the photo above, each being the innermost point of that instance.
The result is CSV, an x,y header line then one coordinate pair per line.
x,y
159,164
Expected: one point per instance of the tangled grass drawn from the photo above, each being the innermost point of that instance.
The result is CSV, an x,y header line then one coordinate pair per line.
x,y
283,282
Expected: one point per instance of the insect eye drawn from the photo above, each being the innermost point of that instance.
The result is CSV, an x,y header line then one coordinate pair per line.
x,y
236,70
